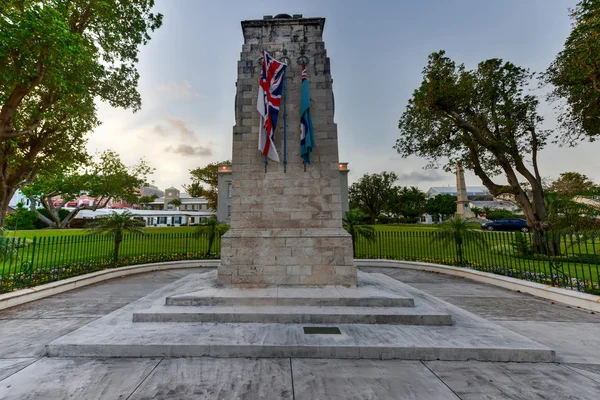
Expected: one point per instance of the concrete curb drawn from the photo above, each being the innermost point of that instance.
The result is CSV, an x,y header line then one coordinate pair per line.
x,y
566,296
50,289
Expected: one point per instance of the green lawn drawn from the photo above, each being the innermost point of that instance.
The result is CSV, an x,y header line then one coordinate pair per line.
x,y
78,232
497,254
76,248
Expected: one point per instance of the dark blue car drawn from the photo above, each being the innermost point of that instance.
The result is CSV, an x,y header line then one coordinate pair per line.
x,y
509,224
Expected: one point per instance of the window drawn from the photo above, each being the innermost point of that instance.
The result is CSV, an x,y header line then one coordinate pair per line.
x,y
195,206
229,211
229,189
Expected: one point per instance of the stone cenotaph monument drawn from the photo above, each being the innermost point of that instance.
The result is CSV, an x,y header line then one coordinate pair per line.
x,y
286,218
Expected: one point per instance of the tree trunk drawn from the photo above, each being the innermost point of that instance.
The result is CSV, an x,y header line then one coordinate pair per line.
x,y
118,240
211,239
6,194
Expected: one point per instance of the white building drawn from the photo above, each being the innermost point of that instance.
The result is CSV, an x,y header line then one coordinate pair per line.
x,y
156,217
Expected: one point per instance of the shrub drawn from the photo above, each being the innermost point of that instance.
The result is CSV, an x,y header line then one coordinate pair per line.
x,y
501,214
21,219
383,219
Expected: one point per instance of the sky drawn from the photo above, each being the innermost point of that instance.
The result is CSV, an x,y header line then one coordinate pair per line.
x,y
377,48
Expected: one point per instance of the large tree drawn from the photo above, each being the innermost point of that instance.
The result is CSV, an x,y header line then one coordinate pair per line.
x,y
442,205
205,183
56,58
570,184
575,75
483,119
410,202
104,178
372,193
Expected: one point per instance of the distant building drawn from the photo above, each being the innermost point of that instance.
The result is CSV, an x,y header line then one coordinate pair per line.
x,y
156,217
19,197
495,205
151,190
473,192
188,203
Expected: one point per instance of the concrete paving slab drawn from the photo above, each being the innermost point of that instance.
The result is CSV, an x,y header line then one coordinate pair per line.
x,y
464,289
210,378
295,315
413,276
479,380
10,366
28,337
592,371
97,300
116,335
366,379
522,308
87,379
574,343
329,296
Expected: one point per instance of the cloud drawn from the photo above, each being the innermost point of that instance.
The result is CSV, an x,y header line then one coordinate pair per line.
x,y
187,150
177,90
427,175
175,127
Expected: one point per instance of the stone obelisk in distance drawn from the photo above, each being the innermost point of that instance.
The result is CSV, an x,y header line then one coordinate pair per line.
x,y
286,228
462,201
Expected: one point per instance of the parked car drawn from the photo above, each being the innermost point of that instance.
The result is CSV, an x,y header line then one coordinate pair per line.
x,y
508,224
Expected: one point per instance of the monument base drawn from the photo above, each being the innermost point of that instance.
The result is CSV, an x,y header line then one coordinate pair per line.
x,y
380,319
276,257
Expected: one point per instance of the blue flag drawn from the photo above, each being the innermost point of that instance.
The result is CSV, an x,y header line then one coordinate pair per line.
x,y
307,136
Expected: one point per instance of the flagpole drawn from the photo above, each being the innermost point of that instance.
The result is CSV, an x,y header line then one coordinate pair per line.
x,y
284,122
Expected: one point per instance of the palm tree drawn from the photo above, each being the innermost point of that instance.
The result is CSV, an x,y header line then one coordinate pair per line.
x,y
116,224
486,210
456,231
477,211
211,228
353,223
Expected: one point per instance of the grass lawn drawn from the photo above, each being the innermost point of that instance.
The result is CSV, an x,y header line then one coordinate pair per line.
x,y
496,254
400,242
30,234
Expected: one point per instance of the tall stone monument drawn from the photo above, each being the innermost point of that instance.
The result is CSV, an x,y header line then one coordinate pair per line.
x,y
462,202
286,223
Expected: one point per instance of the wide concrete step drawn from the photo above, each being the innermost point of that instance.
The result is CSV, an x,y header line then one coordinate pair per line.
x,y
294,315
328,296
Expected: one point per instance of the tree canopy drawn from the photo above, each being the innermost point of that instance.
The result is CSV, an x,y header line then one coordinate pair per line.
x,y
409,202
103,178
575,75
56,58
484,119
372,193
570,184
205,183
442,205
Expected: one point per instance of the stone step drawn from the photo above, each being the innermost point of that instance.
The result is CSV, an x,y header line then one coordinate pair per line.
x,y
294,315
328,296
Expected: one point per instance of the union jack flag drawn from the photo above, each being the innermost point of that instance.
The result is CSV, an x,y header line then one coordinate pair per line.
x,y
269,100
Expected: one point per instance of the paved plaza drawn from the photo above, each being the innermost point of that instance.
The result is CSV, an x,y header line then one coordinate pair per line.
x,y
25,373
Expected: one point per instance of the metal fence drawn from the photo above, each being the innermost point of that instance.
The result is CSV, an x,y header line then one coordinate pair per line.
x,y
565,260
30,262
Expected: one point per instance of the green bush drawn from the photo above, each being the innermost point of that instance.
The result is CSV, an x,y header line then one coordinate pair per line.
x,y
383,219
501,214
21,219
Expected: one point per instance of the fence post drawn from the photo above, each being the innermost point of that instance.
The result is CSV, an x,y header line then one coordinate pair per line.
x,y
33,244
